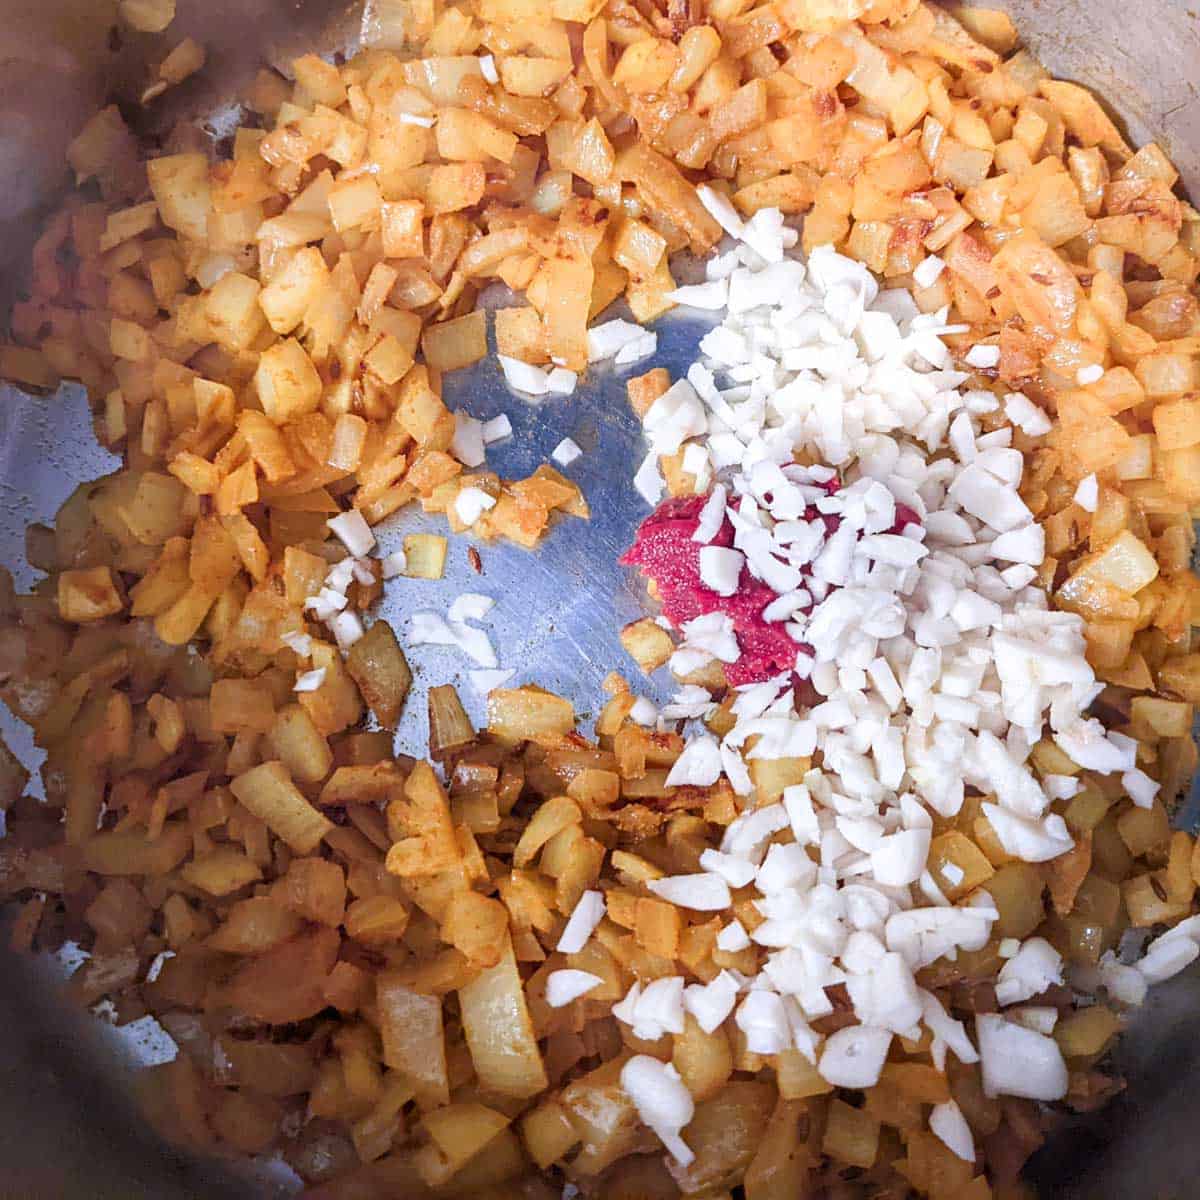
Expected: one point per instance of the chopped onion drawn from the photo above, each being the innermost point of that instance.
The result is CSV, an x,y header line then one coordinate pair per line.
x,y
585,916
347,628
497,429
523,376
353,532
309,681
702,893
562,987
394,564
853,1057
947,1123
449,726
1019,1062
566,452
662,1101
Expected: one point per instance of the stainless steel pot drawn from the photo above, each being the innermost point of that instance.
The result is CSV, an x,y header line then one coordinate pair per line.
x,y
69,1128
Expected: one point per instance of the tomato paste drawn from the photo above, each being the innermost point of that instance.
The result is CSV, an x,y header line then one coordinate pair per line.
x,y
665,552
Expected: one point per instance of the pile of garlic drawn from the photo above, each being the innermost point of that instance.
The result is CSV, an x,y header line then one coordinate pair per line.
x,y
938,664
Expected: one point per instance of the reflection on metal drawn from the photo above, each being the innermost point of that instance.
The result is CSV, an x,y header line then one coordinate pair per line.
x,y
66,1127
559,609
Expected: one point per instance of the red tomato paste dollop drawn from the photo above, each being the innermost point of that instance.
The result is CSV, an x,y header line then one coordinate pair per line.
x,y
664,551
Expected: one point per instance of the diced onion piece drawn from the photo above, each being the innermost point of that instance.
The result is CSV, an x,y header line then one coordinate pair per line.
x,y
1140,788
662,1101
353,532
702,893
562,987
929,271
721,209
1036,1017
340,574
566,452
425,556
430,629
1026,415
497,429
523,376
712,295
468,442
449,727
298,643
584,918
763,1019
737,872
485,681
649,481
608,339
471,503
947,1123
1034,968
309,681
499,1032
561,382
982,356
699,765
1019,1062
1087,494
853,1057
347,628
733,937
213,268
393,564
721,569
711,1003
712,516
1166,957
636,349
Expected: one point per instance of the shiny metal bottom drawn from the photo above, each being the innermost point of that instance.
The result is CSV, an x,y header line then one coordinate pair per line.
x,y
68,1127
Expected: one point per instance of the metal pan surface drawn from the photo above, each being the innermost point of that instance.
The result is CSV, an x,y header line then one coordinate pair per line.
x,y
69,1129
